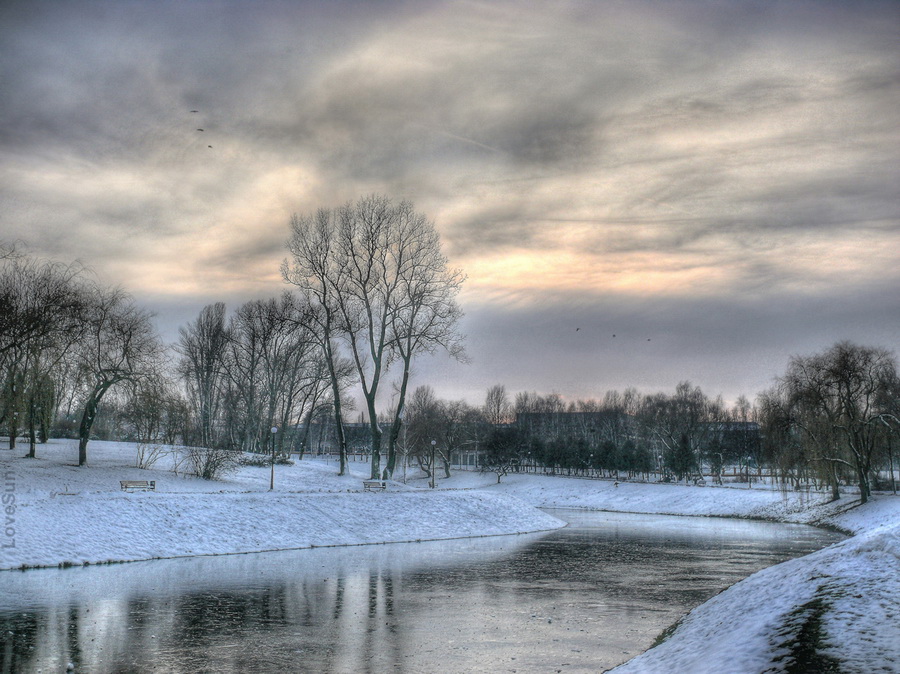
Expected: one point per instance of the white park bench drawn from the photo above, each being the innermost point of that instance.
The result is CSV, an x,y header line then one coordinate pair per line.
x,y
374,485
143,485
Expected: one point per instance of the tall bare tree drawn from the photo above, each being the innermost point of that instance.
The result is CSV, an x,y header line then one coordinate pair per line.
x,y
497,408
202,345
427,316
384,287
315,270
120,345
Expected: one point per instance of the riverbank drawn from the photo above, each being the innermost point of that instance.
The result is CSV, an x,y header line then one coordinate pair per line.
x,y
835,610
58,514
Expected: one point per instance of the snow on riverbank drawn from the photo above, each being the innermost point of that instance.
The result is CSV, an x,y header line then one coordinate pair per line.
x,y
837,609
651,498
59,513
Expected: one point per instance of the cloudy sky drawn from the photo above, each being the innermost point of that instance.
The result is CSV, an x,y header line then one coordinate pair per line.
x,y
639,192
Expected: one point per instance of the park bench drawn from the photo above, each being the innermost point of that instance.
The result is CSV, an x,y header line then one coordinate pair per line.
x,y
372,485
144,485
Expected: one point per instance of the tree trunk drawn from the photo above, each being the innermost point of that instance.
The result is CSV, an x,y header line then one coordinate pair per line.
x,y
87,420
863,484
835,485
375,430
13,428
336,393
304,439
446,463
396,425
32,440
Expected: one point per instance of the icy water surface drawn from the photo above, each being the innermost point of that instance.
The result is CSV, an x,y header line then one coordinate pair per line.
x,y
579,599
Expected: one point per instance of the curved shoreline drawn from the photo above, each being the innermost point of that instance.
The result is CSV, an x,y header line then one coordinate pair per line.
x,y
104,528
804,613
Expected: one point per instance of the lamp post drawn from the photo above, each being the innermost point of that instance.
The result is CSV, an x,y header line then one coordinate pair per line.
x,y
433,467
272,476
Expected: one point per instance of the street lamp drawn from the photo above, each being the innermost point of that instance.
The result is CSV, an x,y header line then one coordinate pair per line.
x,y
433,443
272,477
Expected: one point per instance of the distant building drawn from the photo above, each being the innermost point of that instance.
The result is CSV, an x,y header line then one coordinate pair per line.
x,y
734,439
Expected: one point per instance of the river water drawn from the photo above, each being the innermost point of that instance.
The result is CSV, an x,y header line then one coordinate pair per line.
x,y
579,599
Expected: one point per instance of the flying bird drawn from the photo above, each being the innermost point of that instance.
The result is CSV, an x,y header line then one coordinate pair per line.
x,y
199,129
209,146
195,111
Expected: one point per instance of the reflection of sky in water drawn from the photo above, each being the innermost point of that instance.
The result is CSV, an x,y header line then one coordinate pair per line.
x,y
587,597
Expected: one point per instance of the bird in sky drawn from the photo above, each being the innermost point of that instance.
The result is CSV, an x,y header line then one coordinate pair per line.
x,y
199,129
195,111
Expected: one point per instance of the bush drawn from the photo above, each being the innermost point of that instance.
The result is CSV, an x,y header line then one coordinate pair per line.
x,y
264,460
148,454
209,463
258,460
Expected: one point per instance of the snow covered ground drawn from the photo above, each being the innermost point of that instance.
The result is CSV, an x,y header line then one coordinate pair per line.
x,y
835,610
58,513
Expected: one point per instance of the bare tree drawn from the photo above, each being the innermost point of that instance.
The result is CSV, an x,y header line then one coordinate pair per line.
x,y
423,426
681,423
120,345
497,408
202,346
836,398
377,273
426,317
42,315
316,271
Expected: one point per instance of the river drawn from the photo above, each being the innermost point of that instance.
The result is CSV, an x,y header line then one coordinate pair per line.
x,y
579,599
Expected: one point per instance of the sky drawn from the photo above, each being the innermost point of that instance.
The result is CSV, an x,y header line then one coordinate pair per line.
x,y
639,193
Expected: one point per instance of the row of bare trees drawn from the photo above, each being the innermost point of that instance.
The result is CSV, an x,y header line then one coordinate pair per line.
x,y
629,432
371,291
66,341
258,370
679,434
833,418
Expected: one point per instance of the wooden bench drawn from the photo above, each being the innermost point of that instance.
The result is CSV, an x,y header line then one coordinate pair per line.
x,y
373,485
144,485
